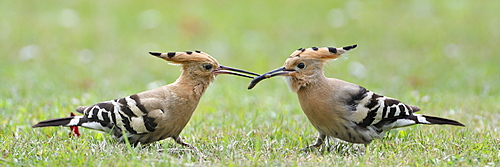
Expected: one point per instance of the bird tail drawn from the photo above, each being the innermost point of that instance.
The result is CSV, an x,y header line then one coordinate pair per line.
x,y
421,119
73,121
66,121
425,119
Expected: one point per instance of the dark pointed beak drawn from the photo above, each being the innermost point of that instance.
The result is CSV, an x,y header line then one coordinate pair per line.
x,y
273,73
229,70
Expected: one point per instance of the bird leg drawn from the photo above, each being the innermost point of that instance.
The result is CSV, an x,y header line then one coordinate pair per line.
x,y
319,141
365,149
178,140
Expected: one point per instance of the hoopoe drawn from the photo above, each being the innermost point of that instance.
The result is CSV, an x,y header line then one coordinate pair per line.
x,y
340,109
155,114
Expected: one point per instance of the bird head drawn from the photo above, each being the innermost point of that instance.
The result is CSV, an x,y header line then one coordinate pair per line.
x,y
303,66
199,64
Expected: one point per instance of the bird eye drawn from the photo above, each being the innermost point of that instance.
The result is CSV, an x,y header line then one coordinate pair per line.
x,y
301,65
207,66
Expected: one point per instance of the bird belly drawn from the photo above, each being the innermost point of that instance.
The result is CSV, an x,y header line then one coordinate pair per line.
x,y
146,138
349,132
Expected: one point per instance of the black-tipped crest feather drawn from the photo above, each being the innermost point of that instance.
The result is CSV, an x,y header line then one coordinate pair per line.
x,y
155,53
347,48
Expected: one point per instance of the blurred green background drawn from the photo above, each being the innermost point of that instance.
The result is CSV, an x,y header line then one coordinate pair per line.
x,y
57,55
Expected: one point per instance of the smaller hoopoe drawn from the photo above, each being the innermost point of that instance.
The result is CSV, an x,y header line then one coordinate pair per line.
x,y
341,109
155,114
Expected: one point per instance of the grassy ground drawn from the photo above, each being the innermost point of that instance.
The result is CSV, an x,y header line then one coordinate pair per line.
x,y
441,56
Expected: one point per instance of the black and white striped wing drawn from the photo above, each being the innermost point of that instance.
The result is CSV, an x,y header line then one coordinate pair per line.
x,y
383,112
126,114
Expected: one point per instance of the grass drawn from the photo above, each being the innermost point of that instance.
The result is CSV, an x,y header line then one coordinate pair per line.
x,y
441,56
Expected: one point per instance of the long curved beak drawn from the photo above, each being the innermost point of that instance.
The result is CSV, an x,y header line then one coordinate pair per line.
x,y
229,70
277,72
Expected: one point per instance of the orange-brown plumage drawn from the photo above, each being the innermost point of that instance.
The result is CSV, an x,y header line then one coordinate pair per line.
x,y
155,114
341,109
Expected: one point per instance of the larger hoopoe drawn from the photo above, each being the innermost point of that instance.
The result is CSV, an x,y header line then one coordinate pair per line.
x,y
155,114
341,109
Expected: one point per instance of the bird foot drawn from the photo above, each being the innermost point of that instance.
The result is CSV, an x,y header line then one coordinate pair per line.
x,y
310,148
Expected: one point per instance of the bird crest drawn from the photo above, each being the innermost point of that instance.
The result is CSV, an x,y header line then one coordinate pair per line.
x,y
323,53
185,57
297,65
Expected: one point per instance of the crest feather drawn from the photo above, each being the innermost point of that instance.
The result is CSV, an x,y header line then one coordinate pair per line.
x,y
324,53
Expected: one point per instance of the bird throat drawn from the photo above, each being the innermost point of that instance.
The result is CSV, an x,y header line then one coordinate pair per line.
x,y
295,84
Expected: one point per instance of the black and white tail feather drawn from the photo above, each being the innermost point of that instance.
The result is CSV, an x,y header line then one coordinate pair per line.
x,y
74,121
66,121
